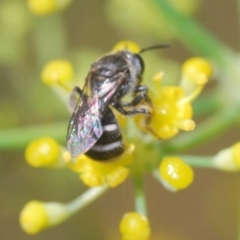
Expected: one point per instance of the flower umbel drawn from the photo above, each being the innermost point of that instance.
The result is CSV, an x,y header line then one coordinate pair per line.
x,y
169,111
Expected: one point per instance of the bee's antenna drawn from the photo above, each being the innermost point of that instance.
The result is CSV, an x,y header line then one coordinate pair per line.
x,y
167,45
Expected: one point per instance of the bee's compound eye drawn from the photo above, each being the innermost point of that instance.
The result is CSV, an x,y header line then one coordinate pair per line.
x,y
139,63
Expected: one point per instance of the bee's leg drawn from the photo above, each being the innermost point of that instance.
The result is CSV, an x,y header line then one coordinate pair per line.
x,y
74,98
119,106
139,97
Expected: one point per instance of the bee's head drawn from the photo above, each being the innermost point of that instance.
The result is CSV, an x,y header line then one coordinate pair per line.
x,y
109,65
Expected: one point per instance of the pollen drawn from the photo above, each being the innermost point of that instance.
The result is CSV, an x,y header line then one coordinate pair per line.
x,y
175,173
57,72
127,45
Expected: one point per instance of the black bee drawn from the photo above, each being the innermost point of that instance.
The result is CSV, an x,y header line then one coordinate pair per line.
x,y
93,128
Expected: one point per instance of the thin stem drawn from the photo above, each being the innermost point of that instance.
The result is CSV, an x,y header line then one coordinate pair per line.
x,y
140,200
194,36
208,130
48,32
18,138
206,103
156,174
198,161
86,198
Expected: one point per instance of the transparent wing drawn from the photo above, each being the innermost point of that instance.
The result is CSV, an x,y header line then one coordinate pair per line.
x,y
85,126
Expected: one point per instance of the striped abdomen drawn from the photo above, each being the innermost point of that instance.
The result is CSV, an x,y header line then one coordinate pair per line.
x,y
110,144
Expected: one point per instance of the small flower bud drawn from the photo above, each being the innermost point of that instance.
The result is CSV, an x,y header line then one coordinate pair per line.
x,y
175,173
35,216
195,74
57,72
135,226
42,152
197,70
228,159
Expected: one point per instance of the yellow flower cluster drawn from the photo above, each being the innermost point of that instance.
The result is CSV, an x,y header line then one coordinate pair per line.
x,y
171,112
96,173
171,105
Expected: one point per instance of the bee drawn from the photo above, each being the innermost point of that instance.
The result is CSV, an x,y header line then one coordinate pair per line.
x,y
93,129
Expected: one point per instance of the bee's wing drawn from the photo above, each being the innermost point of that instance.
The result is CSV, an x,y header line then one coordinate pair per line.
x,y
85,126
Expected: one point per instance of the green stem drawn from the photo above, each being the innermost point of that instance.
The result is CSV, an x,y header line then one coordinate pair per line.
x,y
194,36
140,200
198,161
18,138
208,130
49,38
86,198
206,103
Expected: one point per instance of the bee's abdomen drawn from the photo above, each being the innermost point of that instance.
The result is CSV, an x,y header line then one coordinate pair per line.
x,y
110,144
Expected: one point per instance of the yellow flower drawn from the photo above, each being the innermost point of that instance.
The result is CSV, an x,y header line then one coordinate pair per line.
x,y
175,173
171,105
169,115
95,173
35,216
135,226
44,7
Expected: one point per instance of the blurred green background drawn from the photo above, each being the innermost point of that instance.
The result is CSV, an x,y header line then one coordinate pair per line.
x,y
208,209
